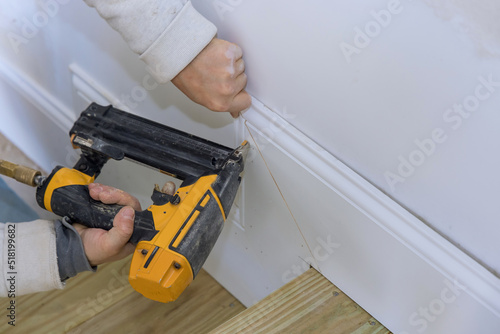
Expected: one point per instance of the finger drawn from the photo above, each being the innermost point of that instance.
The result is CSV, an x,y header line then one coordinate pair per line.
x,y
240,82
234,52
110,195
119,235
241,102
168,188
79,227
239,67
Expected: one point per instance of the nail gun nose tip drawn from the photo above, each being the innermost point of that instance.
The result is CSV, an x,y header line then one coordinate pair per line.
x,y
244,148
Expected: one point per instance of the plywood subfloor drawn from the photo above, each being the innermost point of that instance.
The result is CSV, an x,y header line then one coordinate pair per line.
x,y
309,304
104,302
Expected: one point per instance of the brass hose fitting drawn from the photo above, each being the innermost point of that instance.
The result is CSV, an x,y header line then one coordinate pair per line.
x,y
20,173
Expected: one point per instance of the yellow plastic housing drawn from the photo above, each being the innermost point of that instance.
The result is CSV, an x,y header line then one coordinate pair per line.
x,y
62,178
156,271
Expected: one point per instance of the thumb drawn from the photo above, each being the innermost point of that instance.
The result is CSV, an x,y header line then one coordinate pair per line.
x,y
123,226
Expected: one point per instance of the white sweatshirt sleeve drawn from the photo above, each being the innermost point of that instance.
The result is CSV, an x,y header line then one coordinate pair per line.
x,y
28,258
167,34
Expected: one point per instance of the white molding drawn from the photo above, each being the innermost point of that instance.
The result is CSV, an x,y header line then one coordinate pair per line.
x,y
400,224
91,91
53,108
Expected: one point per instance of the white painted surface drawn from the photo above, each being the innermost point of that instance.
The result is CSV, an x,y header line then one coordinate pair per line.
x,y
367,113
371,247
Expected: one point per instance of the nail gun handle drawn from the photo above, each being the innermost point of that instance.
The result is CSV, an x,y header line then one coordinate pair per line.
x,y
74,202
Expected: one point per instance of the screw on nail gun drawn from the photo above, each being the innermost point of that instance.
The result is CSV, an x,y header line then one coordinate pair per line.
x,y
175,235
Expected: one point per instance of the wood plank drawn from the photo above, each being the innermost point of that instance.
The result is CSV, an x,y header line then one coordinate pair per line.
x,y
204,305
104,302
83,297
309,304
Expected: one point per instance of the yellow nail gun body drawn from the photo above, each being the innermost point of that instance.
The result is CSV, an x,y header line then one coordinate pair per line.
x,y
175,235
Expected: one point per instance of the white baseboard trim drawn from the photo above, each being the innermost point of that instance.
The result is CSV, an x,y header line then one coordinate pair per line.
x,y
438,254
53,108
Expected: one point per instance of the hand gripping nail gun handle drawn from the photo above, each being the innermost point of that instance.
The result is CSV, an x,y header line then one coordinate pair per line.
x,y
175,235
65,192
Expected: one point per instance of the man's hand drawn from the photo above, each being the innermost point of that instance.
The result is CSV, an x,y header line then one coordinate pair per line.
x,y
216,78
106,246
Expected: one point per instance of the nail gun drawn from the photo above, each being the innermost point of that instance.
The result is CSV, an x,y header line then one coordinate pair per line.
x,y
175,235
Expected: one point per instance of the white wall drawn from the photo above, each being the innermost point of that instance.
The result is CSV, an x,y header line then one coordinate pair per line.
x,y
366,109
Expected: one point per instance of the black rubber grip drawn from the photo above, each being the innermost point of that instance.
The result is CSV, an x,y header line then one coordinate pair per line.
x,y
75,203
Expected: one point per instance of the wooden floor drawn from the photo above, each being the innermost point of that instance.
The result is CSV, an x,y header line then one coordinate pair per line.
x,y
309,304
104,302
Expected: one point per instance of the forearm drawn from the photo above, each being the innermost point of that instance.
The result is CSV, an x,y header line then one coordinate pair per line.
x,y
28,257
39,255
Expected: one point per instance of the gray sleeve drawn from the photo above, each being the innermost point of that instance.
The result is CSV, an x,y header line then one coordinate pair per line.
x,y
71,258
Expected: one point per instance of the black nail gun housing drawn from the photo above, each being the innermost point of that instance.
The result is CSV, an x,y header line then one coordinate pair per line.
x,y
118,134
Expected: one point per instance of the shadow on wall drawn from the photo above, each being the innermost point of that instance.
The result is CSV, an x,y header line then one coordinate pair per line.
x,y
479,21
